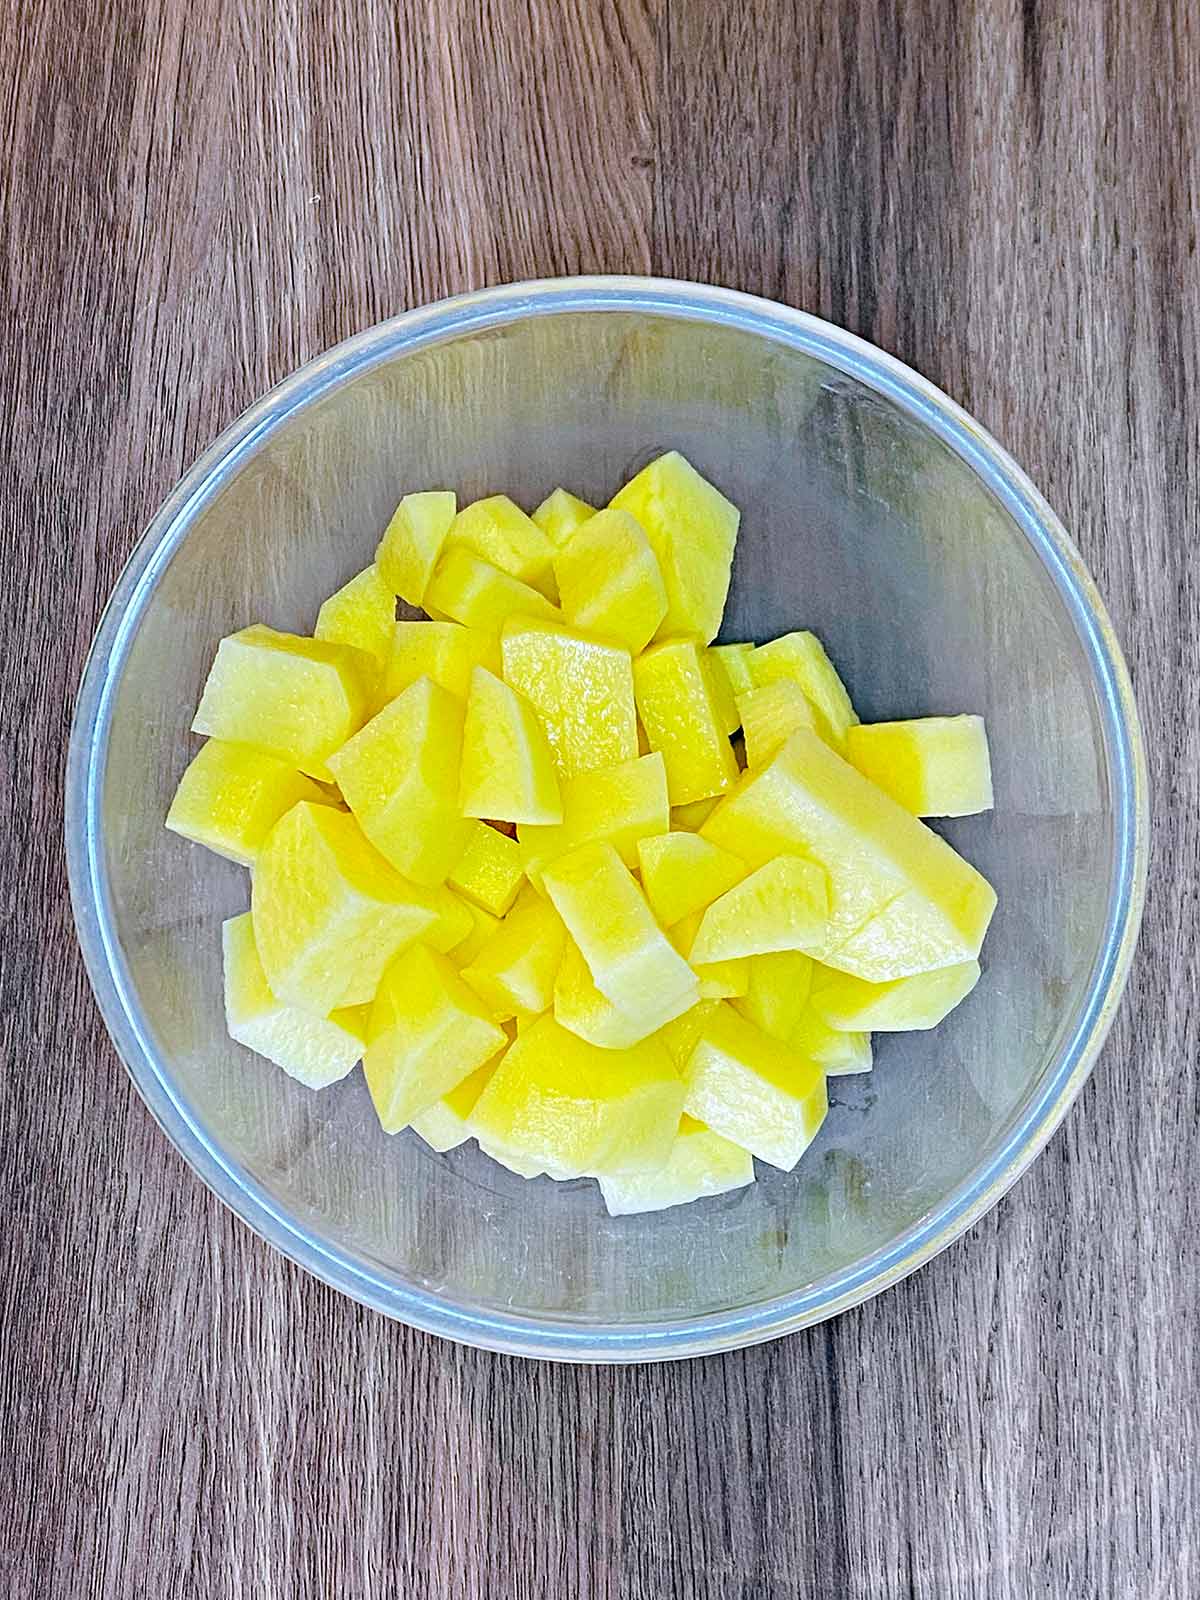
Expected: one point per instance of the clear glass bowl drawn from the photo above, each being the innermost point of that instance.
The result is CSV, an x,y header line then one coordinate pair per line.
x,y
874,511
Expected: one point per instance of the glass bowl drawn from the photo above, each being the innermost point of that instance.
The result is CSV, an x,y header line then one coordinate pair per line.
x,y
874,511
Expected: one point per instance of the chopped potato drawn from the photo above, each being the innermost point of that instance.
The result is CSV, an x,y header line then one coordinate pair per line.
x,y
508,859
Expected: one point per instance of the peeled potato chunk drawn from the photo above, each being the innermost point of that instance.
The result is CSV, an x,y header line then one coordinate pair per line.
x,y
692,530
427,1032
330,912
316,1051
297,699
232,795
932,766
701,1163
754,1090
561,1105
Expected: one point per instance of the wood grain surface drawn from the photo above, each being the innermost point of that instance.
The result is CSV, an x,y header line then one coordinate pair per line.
x,y
194,198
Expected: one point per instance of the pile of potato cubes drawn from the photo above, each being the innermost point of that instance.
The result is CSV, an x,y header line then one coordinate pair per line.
x,y
513,859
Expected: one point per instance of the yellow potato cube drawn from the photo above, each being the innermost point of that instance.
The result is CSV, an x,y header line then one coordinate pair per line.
x,y
734,661
683,873
901,900
729,718
483,926
582,1009
899,939
782,906
330,913
675,701
514,973
700,1163
362,613
559,514
618,805
297,699
499,532
608,581
479,595
692,530
232,795
776,997
399,776
426,1034
770,716
508,770
932,766
754,1090
852,1005
801,657
836,1053
314,1050
581,689
413,541
559,1104
443,1125
444,651
719,980
489,871
631,961
691,818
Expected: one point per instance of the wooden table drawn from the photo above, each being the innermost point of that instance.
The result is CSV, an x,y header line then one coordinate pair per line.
x,y
194,199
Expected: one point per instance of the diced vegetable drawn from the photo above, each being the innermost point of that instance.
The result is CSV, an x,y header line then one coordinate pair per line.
x,y
400,778
412,543
316,1051
754,1090
932,766
782,906
609,582
922,1001
631,960
683,873
560,513
700,1163
427,1033
770,716
447,652
692,530
801,657
499,532
489,871
901,900
330,912
514,973
232,795
508,771
559,1104
675,702
479,595
581,688
297,699
443,1125
555,916
777,991
361,613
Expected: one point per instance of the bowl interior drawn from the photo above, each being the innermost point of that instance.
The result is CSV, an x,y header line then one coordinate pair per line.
x,y
857,521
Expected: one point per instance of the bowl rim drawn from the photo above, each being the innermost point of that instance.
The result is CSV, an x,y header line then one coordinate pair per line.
x,y
491,1328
